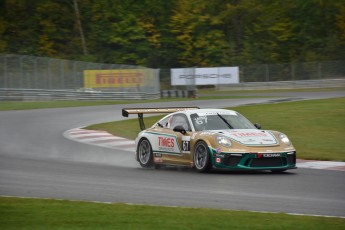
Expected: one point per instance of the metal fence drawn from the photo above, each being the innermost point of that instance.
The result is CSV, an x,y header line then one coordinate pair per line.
x,y
293,71
29,72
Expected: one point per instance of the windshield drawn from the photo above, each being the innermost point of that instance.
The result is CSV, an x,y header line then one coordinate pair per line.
x,y
220,121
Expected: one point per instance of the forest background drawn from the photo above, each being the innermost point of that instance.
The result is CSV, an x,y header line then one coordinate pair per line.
x,y
175,33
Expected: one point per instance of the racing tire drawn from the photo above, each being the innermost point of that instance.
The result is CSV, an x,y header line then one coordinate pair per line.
x,y
145,156
202,157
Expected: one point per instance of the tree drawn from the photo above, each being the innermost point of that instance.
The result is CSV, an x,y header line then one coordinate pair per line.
x,y
175,33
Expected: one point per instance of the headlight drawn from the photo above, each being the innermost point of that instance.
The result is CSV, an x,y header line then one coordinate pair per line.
x,y
284,139
224,141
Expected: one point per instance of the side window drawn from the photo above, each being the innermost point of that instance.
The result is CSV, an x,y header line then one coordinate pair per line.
x,y
165,122
180,119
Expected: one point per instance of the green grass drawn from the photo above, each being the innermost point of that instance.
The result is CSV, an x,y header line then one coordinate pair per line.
x,y
19,213
316,127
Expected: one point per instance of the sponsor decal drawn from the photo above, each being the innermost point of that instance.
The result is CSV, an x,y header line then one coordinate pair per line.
x,y
267,155
158,160
116,78
186,138
206,133
218,150
250,134
240,150
253,137
271,154
201,114
166,143
205,76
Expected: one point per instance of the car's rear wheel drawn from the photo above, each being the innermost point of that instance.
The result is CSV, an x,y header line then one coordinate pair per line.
x,y
145,156
201,157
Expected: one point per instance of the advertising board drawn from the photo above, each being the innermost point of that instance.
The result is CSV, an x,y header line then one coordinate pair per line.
x,y
117,78
205,76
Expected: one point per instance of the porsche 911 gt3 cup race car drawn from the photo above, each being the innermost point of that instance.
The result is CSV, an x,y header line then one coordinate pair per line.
x,y
210,139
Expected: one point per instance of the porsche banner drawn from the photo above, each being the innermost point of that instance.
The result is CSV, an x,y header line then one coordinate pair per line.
x,y
116,78
205,76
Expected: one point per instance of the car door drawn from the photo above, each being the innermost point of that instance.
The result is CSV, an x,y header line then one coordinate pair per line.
x,y
183,140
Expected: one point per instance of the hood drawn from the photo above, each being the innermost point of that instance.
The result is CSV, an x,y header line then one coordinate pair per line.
x,y
250,137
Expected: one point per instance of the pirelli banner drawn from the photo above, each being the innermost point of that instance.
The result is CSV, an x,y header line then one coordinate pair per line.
x,y
205,76
118,78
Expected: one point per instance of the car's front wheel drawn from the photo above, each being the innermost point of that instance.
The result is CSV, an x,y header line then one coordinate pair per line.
x,y
145,156
201,157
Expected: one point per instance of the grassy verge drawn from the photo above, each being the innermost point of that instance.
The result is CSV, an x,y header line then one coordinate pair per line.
x,y
316,127
19,213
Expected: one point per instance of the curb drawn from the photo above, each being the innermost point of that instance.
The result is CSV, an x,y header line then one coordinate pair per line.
x,y
100,138
107,140
327,165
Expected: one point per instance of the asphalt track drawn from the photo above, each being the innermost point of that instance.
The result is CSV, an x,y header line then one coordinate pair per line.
x,y
37,161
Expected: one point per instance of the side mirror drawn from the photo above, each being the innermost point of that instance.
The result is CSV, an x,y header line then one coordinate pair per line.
x,y
258,126
179,129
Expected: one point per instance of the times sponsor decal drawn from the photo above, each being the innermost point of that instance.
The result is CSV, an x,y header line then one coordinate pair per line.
x,y
166,144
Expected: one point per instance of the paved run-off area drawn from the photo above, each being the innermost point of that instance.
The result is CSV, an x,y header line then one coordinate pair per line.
x,y
107,140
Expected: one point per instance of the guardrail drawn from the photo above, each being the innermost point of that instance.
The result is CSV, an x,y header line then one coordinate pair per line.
x,y
55,95
64,95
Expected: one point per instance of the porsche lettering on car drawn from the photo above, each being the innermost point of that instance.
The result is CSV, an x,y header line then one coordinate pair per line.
x,y
208,139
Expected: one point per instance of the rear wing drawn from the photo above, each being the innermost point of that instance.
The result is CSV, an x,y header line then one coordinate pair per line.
x,y
142,111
